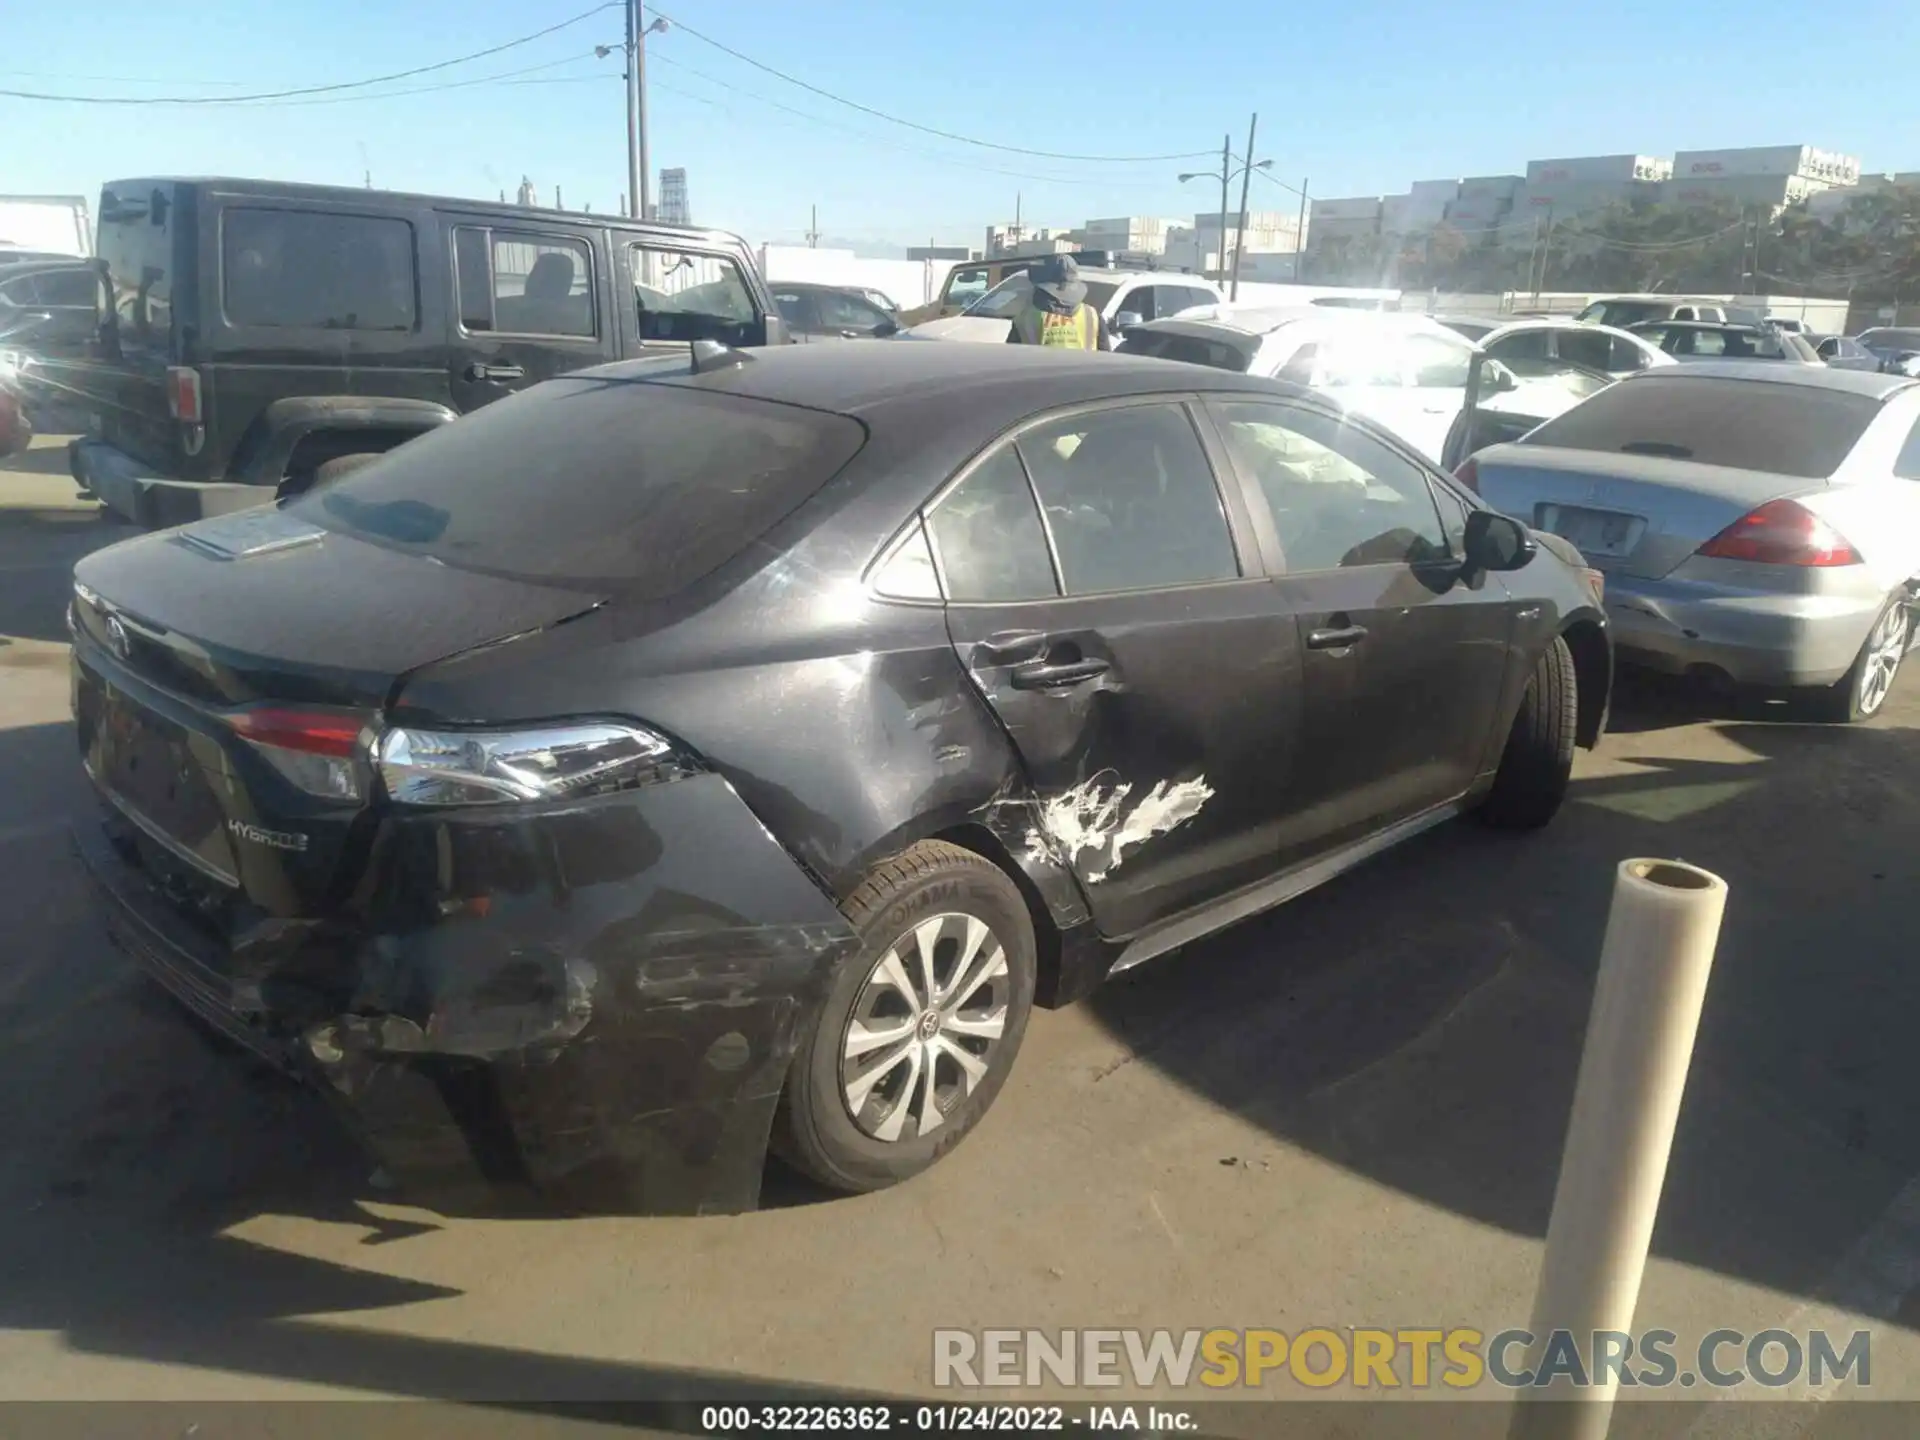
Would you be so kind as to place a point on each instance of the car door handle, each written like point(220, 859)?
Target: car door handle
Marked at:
point(1010, 647)
point(1337, 639)
point(1040, 675)
point(478, 371)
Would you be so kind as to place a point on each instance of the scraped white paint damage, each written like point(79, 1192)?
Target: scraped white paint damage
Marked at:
point(1094, 818)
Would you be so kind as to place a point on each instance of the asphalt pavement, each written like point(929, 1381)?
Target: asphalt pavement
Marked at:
point(1345, 1113)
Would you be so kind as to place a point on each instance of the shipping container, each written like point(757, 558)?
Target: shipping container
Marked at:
point(1828, 165)
point(1594, 169)
point(1428, 190)
point(1490, 187)
point(1359, 207)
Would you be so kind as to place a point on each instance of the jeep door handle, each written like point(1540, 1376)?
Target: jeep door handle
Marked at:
point(478, 371)
point(1339, 639)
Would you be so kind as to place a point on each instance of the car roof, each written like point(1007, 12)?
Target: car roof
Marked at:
point(1544, 322)
point(942, 383)
point(1248, 320)
point(1819, 377)
point(1702, 325)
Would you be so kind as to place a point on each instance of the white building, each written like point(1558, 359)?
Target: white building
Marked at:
point(674, 207)
point(1140, 234)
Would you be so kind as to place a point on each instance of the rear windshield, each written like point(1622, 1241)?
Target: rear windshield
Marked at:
point(611, 485)
point(1190, 348)
point(1796, 430)
point(136, 242)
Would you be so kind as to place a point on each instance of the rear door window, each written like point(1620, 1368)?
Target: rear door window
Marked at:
point(663, 484)
point(307, 270)
point(1130, 500)
point(1741, 424)
point(1907, 465)
point(542, 285)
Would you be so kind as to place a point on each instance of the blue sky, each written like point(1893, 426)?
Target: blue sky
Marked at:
point(1359, 97)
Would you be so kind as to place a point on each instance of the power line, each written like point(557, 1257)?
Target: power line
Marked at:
point(915, 125)
point(307, 89)
point(866, 135)
point(505, 77)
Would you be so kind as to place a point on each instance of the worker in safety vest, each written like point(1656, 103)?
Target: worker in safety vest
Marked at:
point(1056, 314)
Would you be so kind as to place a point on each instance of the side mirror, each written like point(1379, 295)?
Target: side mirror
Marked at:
point(1497, 379)
point(778, 332)
point(886, 328)
point(1908, 365)
point(1497, 542)
point(1128, 320)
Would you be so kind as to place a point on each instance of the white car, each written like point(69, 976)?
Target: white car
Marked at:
point(1405, 372)
point(1125, 299)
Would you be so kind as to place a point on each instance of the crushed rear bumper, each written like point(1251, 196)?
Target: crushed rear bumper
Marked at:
point(597, 1002)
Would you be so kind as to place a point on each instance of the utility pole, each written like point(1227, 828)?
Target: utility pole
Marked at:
point(1240, 233)
point(1300, 236)
point(1226, 169)
point(369, 179)
point(556, 199)
point(636, 158)
point(813, 229)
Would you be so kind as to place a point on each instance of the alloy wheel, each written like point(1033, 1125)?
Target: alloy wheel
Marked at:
point(925, 1027)
point(1886, 647)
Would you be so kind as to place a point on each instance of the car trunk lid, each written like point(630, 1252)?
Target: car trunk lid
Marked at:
point(1639, 515)
point(228, 678)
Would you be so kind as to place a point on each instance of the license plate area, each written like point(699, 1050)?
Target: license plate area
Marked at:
point(1597, 534)
point(146, 769)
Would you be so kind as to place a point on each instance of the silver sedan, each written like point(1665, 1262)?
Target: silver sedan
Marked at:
point(1759, 523)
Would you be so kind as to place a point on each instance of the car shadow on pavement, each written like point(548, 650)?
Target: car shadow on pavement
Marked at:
point(1420, 1020)
point(39, 547)
point(1648, 700)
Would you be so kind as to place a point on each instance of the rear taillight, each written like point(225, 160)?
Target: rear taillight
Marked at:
point(1782, 532)
point(324, 752)
point(1467, 472)
point(559, 762)
point(183, 394)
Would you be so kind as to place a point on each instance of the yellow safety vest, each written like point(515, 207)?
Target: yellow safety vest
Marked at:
point(1078, 331)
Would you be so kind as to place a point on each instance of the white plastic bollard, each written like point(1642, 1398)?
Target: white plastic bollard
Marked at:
point(1654, 964)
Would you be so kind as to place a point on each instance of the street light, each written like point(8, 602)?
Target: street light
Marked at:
point(1225, 174)
point(636, 52)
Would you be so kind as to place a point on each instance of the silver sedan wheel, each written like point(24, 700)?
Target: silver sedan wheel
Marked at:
point(925, 1027)
point(1886, 646)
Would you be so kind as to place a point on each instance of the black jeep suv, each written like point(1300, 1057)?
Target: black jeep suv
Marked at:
point(267, 337)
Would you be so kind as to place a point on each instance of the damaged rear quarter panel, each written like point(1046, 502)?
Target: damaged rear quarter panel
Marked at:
point(598, 998)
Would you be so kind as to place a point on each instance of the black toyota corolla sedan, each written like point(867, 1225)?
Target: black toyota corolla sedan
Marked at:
point(695, 754)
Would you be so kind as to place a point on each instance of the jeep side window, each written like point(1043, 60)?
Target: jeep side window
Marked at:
point(516, 283)
point(542, 285)
point(682, 295)
point(303, 270)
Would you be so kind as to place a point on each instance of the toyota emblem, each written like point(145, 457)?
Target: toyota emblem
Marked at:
point(117, 637)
